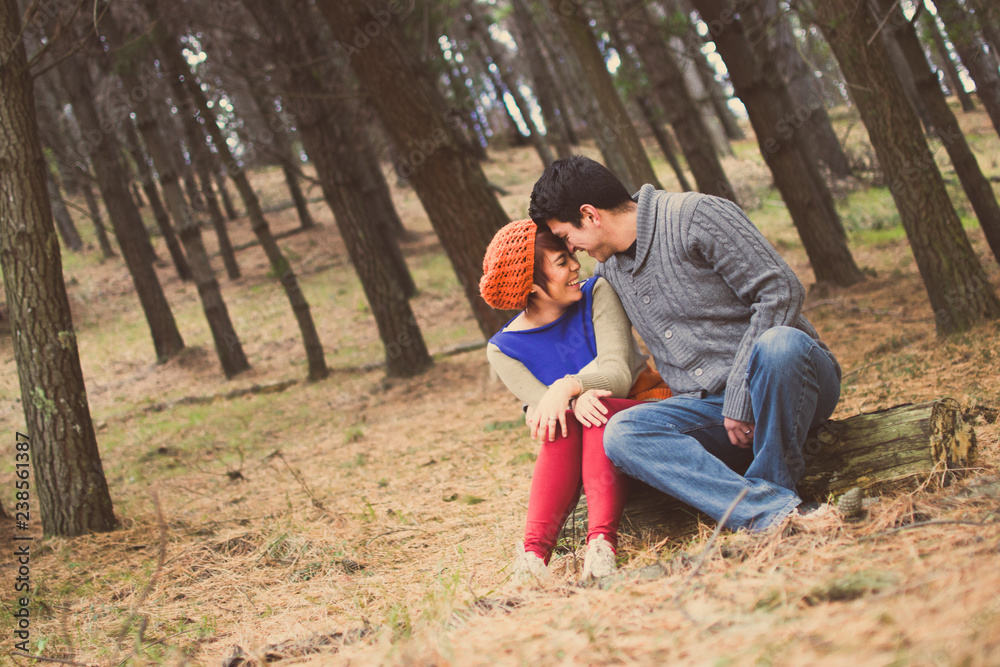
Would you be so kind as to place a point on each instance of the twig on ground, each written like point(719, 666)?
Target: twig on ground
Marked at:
point(708, 548)
point(19, 654)
point(921, 524)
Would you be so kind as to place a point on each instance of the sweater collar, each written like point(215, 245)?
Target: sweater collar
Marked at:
point(645, 222)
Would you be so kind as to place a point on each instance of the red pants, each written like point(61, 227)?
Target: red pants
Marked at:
point(555, 486)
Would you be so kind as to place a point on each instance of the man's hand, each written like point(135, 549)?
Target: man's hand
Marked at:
point(740, 433)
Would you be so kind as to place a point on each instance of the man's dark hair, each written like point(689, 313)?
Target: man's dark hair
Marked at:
point(569, 183)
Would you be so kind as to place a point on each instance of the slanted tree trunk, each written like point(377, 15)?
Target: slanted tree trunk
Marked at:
point(977, 187)
point(667, 82)
point(175, 67)
point(878, 452)
point(69, 481)
point(608, 119)
point(125, 218)
point(282, 150)
point(227, 201)
point(931, 30)
point(795, 172)
point(160, 214)
point(544, 87)
point(779, 43)
point(100, 231)
point(64, 222)
point(333, 143)
point(480, 31)
point(451, 185)
point(963, 33)
point(227, 343)
point(959, 290)
point(203, 162)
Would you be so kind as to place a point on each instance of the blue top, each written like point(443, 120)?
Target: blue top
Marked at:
point(560, 348)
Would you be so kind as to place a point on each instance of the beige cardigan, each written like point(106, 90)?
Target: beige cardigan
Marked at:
point(615, 368)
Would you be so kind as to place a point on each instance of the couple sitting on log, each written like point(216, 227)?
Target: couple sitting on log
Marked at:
point(720, 312)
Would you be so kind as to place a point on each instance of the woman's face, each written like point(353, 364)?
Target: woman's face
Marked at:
point(563, 272)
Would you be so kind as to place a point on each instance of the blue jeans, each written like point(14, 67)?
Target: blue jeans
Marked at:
point(681, 447)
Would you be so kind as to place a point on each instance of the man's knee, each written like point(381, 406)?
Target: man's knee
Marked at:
point(780, 344)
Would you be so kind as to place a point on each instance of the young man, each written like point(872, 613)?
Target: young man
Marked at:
point(720, 311)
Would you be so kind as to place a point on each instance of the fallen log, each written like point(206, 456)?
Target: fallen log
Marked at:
point(879, 452)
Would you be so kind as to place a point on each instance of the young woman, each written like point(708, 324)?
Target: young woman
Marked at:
point(570, 357)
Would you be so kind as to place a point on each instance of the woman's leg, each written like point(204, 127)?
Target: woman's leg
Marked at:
point(555, 488)
point(606, 487)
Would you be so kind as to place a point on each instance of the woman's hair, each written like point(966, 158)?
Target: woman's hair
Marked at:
point(544, 240)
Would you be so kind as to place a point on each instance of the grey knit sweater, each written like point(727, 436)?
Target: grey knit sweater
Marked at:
point(703, 286)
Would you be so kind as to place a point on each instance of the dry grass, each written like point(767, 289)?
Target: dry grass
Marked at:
point(368, 521)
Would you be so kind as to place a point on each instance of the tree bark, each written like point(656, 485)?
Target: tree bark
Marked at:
point(818, 135)
point(544, 85)
point(959, 290)
point(609, 122)
point(879, 452)
point(480, 30)
point(962, 31)
point(204, 162)
point(64, 222)
point(977, 187)
point(125, 218)
point(451, 185)
point(160, 214)
point(772, 114)
point(227, 343)
point(175, 67)
point(337, 151)
point(60, 444)
point(227, 201)
point(667, 82)
point(931, 30)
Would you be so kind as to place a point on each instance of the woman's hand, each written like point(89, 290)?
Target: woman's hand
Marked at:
point(589, 409)
point(549, 415)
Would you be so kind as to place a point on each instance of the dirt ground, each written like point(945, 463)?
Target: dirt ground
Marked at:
point(362, 520)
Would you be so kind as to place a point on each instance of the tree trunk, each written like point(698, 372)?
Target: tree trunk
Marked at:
point(946, 64)
point(175, 67)
point(667, 82)
point(609, 122)
point(125, 218)
point(480, 30)
point(796, 175)
point(160, 214)
point(897, 61)
point(336, 149)
point(64, 222)
point(544, 86)
point(227, 343)
point(227, 201)
point(879, 452)
point(664, 141)
point(204, 162)
point(95, 213)
point(977, 187)
point(451, 185)
point(282, 148)
point(962, 31)
point(988, 16)
point(818, 135)
point(959, 290)
point(60, 444)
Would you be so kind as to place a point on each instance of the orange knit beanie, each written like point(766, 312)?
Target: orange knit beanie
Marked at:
point(508, 265)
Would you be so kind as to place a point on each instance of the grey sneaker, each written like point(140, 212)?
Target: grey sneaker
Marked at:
point(528, 568)
point(823, 517)
point(600, 559)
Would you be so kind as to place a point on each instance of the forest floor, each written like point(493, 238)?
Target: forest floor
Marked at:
point(363, 520)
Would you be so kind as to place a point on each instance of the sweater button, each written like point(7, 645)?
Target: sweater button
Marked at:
point(645, 299)
point(698, 372)
point(668, 334)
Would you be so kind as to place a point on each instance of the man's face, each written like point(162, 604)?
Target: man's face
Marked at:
point(590, 238)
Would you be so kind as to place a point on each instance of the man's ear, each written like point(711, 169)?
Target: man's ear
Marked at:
point(589, 211)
